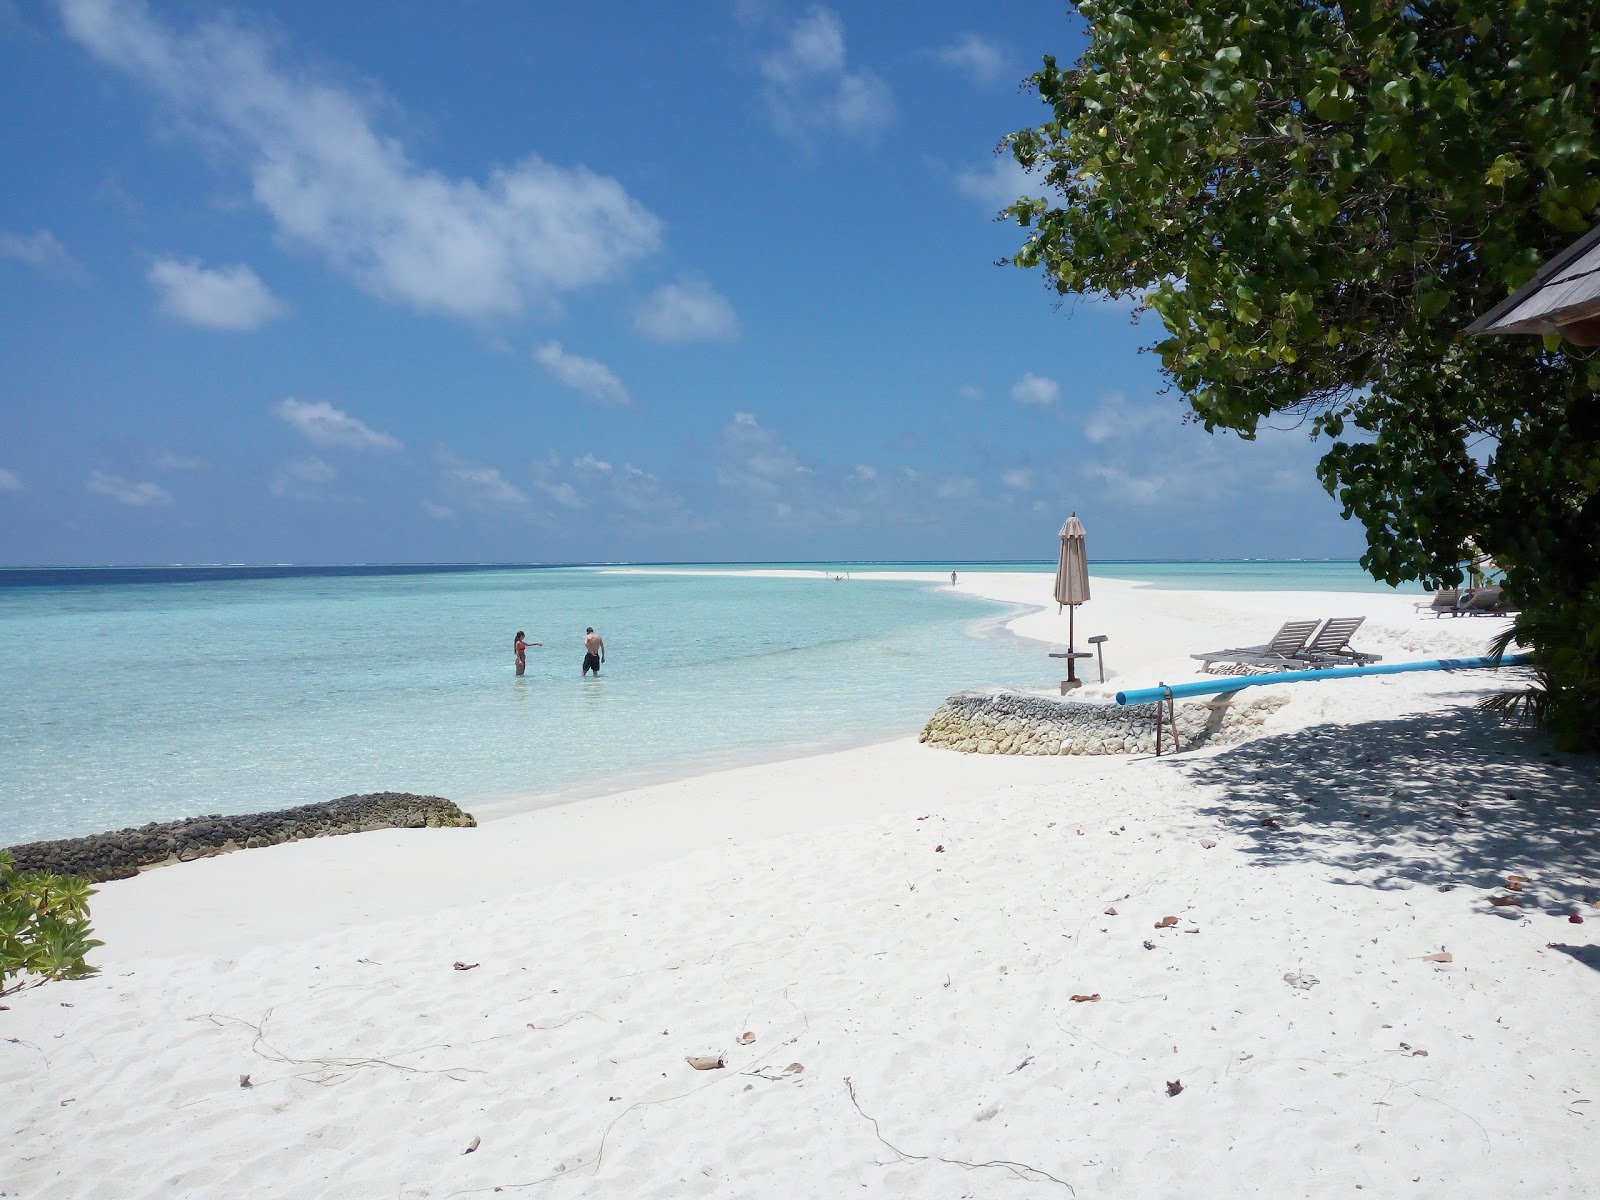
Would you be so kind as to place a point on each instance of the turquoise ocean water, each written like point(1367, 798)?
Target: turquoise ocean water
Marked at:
point(150, 694)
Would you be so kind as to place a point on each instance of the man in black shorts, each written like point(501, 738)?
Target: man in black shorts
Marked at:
point(594, 647)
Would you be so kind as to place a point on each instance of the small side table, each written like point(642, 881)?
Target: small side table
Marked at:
point(1072, 657)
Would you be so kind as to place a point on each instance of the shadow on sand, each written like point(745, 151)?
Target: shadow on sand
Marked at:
point(1447, 799)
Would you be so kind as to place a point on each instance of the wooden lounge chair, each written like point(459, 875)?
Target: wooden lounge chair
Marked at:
point(1281, 651)
point(1447, 602)
point(1331, 646)
point(1488, 602)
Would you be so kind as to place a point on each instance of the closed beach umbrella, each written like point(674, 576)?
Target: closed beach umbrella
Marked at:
point(1072, 572)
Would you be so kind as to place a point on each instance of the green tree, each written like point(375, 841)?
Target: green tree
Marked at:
point(1316, 199)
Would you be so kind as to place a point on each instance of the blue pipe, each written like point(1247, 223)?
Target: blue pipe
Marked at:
point(1233, 683)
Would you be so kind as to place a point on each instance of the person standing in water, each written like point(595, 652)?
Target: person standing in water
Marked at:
point(594, 651)
point(520, 649)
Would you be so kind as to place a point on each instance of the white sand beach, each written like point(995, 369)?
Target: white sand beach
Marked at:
point(927, 974)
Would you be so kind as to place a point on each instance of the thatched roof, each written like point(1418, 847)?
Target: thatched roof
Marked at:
point(1564, 298)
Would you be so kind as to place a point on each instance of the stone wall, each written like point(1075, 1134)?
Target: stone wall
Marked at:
point(1014, 723)
point(102, 856)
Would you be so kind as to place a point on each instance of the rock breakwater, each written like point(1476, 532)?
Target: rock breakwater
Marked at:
point(126, 852)
point(1016, 723)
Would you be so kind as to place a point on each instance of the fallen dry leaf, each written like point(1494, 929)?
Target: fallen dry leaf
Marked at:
point(1149, 945)
point(1111, 912)
point(1513, 884)
point(1270, 823)
point(1166, 922)
point(1174, 1086)
point(1442, 956)
point(705, 1062)
point(1208, 843)
point(1510, 879)
point(938, 849)
point(1086, 999)
point(1503, 901)
point(1419, 1054)
point(1364, 813)
point(464, 966)
point(794, 1069)
point(746, 1038)
point(922, 818)
point(244, 1081)
point(1575, 919)
point(472, 1145)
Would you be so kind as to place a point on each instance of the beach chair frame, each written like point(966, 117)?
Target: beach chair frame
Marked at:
point(1282, 651)
point(1331, 646)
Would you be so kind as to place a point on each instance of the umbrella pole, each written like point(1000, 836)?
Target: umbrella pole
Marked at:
point(1072, 645)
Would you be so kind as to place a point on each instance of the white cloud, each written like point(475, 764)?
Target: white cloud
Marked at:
point(982, 60)
point(302, 479)
point(1115, 417)
point(10, 481)
point(997, 185)
point(1146, 456)
point(439, 512)
point(809, 85)
point(756, 461)
point(586, 376)
point(39, 249)
point(629, 487)
point(213, 298)
point(1143, 489)
point(1018, 479)
point(863, 474)
point(333, 182)
point(962, 487)
point(591, 482)
point(477, 485)
point(168, 461)
point(754, 12)
point(969, 391)
point(687, 311)
point(563, 494)
point(136, 495)
point(321, 424)
point(1036, 391)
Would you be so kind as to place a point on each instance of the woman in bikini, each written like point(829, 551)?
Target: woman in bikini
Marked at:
point(520, 649)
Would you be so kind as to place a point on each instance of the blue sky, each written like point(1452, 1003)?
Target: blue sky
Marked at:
point(401, 281)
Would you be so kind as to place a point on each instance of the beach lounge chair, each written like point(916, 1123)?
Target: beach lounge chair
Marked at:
point(1331, 646)
point(1487, 602)
point(1448, 602)
point(1279, 652)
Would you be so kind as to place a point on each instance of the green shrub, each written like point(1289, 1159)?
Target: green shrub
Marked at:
point(44, 924)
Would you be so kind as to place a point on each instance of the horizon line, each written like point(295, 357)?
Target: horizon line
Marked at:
point(687, 562)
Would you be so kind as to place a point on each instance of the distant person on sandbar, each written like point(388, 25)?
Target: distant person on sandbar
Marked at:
point(520, 649)
point(952, 579)
point(594, 652)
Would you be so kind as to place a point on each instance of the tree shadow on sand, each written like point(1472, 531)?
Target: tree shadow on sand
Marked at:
point(1446, 799)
